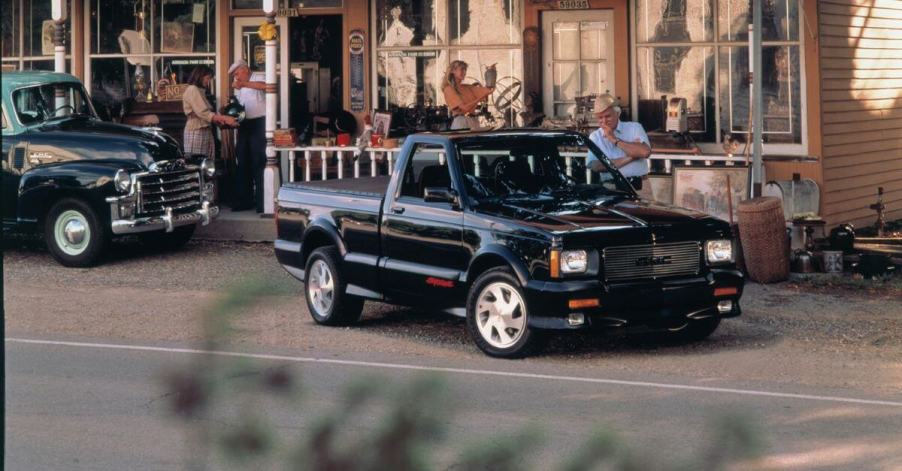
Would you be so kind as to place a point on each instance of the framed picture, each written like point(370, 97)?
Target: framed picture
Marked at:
point(381, 123)
point(661, 188)
point(177, 37)
point(47, 32)
point(711, 190)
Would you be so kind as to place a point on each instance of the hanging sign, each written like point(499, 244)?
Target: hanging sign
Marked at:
point(356, 46)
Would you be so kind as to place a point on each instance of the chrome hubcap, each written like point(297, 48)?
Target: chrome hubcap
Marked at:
point(72, 232)
point(320, 289)
point(500, 315)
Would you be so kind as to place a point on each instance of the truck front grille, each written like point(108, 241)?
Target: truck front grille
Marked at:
point(652, 261)
point(179, 190)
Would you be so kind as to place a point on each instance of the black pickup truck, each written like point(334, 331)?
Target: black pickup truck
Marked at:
point(493, 227)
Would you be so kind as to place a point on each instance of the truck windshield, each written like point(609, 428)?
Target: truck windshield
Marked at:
point(524, 166)
point(37, 104)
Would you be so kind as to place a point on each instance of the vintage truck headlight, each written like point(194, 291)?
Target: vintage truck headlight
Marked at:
point(208, 167)
point(574, 261)
point(719, 251)
point(123, 181)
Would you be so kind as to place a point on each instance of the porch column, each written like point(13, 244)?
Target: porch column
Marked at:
point(757, 100)
point(271, 172)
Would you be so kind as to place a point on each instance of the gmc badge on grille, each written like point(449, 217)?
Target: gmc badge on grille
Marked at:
point(651, 261)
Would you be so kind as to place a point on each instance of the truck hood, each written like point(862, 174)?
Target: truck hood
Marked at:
point(575, 219)
point(87, 138)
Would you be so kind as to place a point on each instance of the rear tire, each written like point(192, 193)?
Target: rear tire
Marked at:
point(167, 240)
point(75, 235)
point(498, 317)
point(324, 290)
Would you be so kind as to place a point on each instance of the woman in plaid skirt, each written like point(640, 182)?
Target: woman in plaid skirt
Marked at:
point(198, 137)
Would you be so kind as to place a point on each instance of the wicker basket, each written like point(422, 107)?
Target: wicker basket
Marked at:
point(762, 232)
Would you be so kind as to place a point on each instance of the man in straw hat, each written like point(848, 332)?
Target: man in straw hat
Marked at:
point(623, 142)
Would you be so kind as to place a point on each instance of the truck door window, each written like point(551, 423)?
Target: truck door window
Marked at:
point(427, 167)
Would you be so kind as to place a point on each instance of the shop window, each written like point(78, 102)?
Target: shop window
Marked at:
point(712, 76)
point(137, 43)
point(247, 4)
point(316, 3)
point(27, 34)
point(416, 40)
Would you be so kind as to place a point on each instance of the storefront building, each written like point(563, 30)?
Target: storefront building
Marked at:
point(832, 73)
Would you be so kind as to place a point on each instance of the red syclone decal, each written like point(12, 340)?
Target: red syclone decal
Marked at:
point(439, 283)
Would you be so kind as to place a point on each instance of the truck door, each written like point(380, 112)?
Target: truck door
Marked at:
point(13, 161)
point(422, 241)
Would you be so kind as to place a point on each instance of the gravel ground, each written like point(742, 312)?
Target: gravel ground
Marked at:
point(789, 332)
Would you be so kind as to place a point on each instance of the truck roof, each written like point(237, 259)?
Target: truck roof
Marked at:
point(35, 77)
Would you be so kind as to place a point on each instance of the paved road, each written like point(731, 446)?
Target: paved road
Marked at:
point(86, 350)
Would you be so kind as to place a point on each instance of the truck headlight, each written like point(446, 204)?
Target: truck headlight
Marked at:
point(123, 181)
point(574, 261)
point(719, 251)
point(208, 167)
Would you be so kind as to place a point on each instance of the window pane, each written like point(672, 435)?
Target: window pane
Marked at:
point(566, 81)
point(677, 72)
point(779, 18)
point(39, 29)
point(781, 93)
point(427, 168)
point(117, 27)
point(41, 65)
point(484, 21)
point(566, 40)
point(674, 20)
point(413, 23)
point(564, 109)
point(9, 27)
point(593, 44)
point(185, 27)
point(180, 66)
point(408, 78)
point(594, 78)
point(110, 85)
point(247, 4)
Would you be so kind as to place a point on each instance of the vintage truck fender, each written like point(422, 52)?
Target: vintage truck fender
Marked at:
point(91, 181)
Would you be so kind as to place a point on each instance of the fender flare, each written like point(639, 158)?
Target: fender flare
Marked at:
point(322, 226)
point(495, 251)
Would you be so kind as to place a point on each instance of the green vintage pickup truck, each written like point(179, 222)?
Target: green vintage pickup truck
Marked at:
point(79, 181)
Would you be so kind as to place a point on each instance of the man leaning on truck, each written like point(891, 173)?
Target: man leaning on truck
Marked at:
point(624, 142)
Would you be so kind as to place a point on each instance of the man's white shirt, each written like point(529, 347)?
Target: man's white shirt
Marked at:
point(627, 131)
point(254, 101)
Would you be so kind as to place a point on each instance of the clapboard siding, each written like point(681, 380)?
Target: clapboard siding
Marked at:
point(860, 57)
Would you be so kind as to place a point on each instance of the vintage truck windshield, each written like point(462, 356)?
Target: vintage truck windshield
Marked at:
point(34, 105)
point(539, 166)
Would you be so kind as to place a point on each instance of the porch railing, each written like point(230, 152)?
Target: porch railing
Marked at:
point(324, 162)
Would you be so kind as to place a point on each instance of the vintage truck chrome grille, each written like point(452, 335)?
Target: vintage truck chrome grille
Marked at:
point(630, 262)
point(179, 190)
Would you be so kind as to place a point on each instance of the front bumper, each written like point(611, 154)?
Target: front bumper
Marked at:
point(640, 305)
point(167, 221)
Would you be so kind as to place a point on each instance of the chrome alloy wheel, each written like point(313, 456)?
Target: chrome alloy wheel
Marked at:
point(320, 288)
point(71, 232)
point(500, 315)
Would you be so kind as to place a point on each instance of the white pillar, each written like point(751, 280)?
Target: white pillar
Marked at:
point(271, 171)
point(58, 13)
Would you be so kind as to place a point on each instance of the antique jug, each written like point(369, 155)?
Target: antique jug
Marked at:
point(491, 75)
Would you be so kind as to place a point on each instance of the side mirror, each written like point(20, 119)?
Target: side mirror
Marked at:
point(437, 194)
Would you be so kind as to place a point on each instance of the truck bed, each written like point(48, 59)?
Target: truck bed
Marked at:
point(364, 186)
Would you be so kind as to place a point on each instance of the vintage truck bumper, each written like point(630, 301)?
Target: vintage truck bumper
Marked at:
point(647, 304)
point(167, 221)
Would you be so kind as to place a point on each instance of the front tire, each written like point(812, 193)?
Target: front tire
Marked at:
point(498, 317)
point(75, 235)
point(324, 290)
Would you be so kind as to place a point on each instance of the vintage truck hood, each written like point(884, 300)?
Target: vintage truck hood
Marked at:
point(83, 138)
point(578, 220)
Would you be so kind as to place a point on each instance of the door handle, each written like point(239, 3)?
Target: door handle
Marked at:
point(397, 210)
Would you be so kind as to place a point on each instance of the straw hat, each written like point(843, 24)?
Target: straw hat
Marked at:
point(603, 102)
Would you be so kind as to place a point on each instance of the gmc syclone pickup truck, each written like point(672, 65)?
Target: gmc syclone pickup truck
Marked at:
point(492, 227)
point(80, 181)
